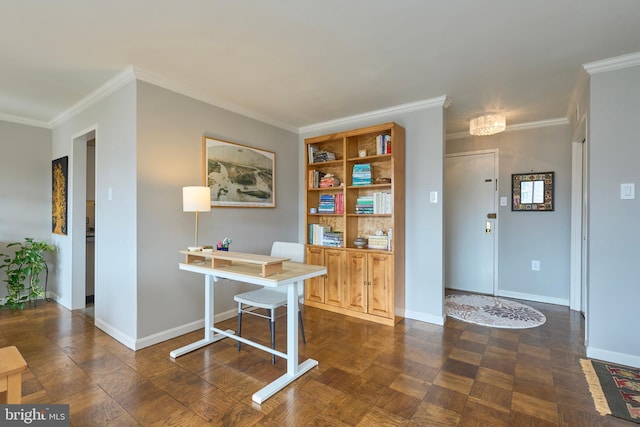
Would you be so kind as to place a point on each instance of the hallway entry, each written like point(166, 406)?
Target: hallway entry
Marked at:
point(470, 209)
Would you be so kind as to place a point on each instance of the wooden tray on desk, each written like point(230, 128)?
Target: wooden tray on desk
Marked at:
point(269, 264)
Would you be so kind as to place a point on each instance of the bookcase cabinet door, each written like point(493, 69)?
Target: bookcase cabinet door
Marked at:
point(314, 288)
point(356, 289)
point(380, 276)
point(336, 277)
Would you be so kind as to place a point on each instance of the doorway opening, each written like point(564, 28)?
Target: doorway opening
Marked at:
point(84, 221)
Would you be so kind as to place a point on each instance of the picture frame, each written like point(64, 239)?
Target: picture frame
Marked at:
point(238, 175)
point(59, 186)
point(533, 191)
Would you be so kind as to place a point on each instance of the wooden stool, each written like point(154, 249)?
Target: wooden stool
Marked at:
point(11, 366)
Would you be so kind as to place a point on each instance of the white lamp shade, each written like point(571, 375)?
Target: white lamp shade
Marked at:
point(196, 199)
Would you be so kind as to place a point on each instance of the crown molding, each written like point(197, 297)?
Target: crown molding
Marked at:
point(190, 92)
point(612, 64)
point(439, 102)
point(121, 79)
point(24, 121)
point(562, 121)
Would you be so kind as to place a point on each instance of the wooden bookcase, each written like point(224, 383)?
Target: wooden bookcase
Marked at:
point(360, 282)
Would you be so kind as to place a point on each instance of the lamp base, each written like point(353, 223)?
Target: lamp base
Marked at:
point(194, 248)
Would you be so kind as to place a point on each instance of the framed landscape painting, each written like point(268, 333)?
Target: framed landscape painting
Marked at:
point(59, 173)
point(238, 175)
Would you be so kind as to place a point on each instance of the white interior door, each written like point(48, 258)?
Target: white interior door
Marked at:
point(470, 221)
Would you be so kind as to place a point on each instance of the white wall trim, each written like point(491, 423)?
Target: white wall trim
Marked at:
point(576, 226)
point(24, 121)
point(439, 102)
point(422, 317)
point(116, 334)
point(535, 298)
point(614, 357)
point(561, 121)
point(123, 78)
point(181, 330)
point(612, 64)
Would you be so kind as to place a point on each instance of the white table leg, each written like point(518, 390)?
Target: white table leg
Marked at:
point(209, 336)
point(294, 370)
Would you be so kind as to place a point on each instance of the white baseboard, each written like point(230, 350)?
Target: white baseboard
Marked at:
point(422, 317)
point(536, 298)
point(115, 334)
point(180, 330)
point(614, 357)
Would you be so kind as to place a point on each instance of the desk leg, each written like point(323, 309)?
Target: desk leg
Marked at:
point(209, 336)
point(294, 370)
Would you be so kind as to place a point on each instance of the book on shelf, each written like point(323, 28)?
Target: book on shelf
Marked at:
point(333, 238)
point(316, 233)
point(339, 203)
point(377, 203)
point(327, 204)
point(361, 174)
point(323, 156)
point(318, 156)
point(383, 144)
point(312, 150)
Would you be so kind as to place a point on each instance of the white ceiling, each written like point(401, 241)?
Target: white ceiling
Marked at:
point(296, 63)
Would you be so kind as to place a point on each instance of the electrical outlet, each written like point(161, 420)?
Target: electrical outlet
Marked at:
point(535, 265)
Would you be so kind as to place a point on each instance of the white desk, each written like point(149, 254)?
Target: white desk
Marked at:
point(250, 268)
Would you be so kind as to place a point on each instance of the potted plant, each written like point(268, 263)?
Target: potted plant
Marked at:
point(23, 270)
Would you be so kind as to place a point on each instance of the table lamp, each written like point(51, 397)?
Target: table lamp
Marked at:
point(196, 199)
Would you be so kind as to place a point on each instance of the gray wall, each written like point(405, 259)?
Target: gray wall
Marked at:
point(114, 121)
point(25, 186)
point(614, 224)
point(424, 269)
point(525, 236)
point(169, 156)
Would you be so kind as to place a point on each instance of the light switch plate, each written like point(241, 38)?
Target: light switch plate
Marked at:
point(503, 201)
point(433, 197)
point(628, 191)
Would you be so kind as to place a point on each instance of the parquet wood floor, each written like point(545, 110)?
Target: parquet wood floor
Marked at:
point(413, 374)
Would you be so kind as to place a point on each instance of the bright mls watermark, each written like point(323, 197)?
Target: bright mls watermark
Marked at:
point(34, 415)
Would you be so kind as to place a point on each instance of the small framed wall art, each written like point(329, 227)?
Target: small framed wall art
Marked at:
point(532, 191)
point(238, 175)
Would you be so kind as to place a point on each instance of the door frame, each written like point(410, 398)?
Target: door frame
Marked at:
point(578, 299)
point(496, 228)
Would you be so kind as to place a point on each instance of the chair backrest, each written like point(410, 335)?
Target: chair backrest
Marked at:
point(293, 251)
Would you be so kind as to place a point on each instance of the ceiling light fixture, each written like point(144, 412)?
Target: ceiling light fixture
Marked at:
point(487, 124)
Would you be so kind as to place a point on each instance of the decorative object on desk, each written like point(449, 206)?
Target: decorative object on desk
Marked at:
point(224, 244)
point(360, 242)
point(195, 199)
point(492, 311)
point(59, 171)
point(238, 175)
point(615, 389)
point(23, 269)
point(532, 191)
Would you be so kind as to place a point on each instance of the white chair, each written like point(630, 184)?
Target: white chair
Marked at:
point(272, 298)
